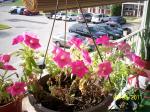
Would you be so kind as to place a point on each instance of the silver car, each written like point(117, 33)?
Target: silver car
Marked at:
point(70, 17)
point(59, 15)
point(100, 18)
point(59, 39)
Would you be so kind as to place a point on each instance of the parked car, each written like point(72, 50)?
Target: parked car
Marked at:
point(29, 13)
point(59, 15)
point(112, 33)
point(88, 17)
point(117, 26)
point(60, 41)
point(7, 0)
point(70, 17)
point(49, 15)
point(20, 11)
point(81, 29)
point(16, 10)
point(100, 18)
point(13, 10)
point(118, 19)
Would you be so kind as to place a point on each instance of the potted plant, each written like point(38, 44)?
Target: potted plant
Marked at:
point(145, 45)
point(77, 80)
point(11, 93)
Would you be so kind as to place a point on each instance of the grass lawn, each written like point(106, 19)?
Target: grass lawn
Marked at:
point(16, 3)
point(3, 27)
point(133, 19)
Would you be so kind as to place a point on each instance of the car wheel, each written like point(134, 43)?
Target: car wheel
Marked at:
point(70, 19)
point(70, 31)
point(102, 21)
point(57, 44)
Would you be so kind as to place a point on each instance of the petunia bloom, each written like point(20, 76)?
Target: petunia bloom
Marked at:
point(7, 67)
point(103, 40)
point(130, 55)
point(138, 61)
point(62, 58)
point(18, 39)
point(75, 41)
point(86, 57)
point(17, 88)
point(124, 47)
point(31, 41)
point(55, 49)
point(105, 69)
point(5, 58)
point(79, 68)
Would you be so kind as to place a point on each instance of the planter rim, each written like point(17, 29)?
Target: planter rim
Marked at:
point(40, 108)
point(8, 103)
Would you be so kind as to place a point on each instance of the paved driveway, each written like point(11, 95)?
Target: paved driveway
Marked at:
point(39, 25)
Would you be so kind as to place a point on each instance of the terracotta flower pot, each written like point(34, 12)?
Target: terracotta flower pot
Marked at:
point(15, 106)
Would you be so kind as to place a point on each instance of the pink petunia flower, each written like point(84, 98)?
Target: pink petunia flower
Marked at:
point(79, 68)
point(138, 61)
point(32, 41)
point(75, 41)
point(86, 57)
point(18, 88)
point(103, 40)
point(105, 69)
point(5, 58)
point(7, 67)
point(62, 58)
point(111, 44)
point(129, 55)
point(124, 47)
point(18, 39)
point(55, 49)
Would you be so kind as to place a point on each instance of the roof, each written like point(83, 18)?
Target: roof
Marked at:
point(50, 5)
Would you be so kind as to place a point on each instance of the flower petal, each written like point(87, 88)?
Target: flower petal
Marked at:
point(102, 40)
point(8, 67)
point(79, 68)
point(32, 41)
point(18, 39)
point(5, 58)
point(105, 69)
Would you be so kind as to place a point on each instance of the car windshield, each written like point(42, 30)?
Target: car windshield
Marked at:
point(99, 27)
point(115, 25)
point(92, 29)
point(96, 16)
point(108, 28)
point(71, 15)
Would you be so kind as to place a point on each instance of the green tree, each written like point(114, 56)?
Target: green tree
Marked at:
point(116, 10)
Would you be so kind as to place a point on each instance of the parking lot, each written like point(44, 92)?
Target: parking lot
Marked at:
point(40, 25)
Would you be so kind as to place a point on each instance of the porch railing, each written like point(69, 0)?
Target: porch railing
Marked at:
point(133, 40)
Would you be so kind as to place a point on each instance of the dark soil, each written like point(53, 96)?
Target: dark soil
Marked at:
point(68, 97)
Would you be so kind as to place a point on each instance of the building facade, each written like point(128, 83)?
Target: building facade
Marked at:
point(128, 9)
point(132, 9)
point(101, 9)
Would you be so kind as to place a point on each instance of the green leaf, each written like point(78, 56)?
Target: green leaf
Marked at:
point(33, 62)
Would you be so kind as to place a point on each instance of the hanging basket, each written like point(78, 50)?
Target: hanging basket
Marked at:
point(40, 108)
point(50, 5)
point(15, 106)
